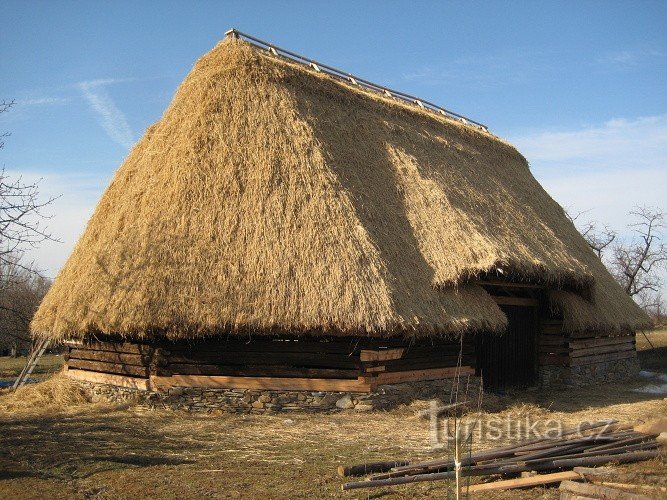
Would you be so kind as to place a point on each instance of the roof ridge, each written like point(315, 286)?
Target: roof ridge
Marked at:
point(353, 79)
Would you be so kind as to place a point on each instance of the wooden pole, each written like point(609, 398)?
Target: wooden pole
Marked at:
point(369, 468)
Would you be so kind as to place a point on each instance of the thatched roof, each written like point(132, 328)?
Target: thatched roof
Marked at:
point(271, 197)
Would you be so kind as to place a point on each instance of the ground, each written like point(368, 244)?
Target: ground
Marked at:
point(55, 444)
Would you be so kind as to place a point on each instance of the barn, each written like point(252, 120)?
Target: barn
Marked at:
point(287, 228)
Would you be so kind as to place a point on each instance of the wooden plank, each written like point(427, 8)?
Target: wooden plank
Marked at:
point(305, 359)
point(100, 366)
point(422, 364)
point(110, 357)
point(374, 369)
point(269, 383)
point(509, 284)
point(524, 482)
point(260, 371)
point(106, 378)
point(419, 375)
point(585, 490)
point(603, 349)
point(544, 340)
point(553, 349)
point(603, 341)
point(588, 360)
point(266, 346)
point(125, 347)
point(381, 355)
point(515, 301)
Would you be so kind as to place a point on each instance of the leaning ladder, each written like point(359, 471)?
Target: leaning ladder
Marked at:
point(33, 359)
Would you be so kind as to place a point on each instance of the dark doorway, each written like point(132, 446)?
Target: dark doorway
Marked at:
point(510, 360)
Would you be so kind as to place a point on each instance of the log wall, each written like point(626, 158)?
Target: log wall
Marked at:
point(558, 348)
point(352, 365)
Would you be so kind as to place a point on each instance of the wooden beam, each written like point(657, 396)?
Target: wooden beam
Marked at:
point(258, 371)
point(524, 482)
point(107, 378)
point(381, 354)
point(584, 343)
point(110, 357)
point(515, 301)
point(419, 375)
point(508, 284)
point(571, 489)
point(614, 356)
point(602, 349)
point(115, 368)
point(126, 347)
point(268, 383)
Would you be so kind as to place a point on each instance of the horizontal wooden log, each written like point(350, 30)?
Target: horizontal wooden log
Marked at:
point(419, 375)
point(553, 341)
point(121, 347)
point(263, 346)
point(268, 383)
point(381, 355)
point(110, 357)
point(509, 285)
point(614, 356)
point(572, 489)
point(106, 378)
point(603, 341)
point(369, 468)
point(523, 482)
point(603, 349)
point(261, 371)
point(115, 368)
point(304, 359)
point(423, 364)
point(515, 301)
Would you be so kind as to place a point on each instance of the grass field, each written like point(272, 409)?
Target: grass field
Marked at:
point(47, 366)
point(64, 447)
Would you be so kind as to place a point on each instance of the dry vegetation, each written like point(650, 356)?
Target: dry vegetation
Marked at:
point(57, 445)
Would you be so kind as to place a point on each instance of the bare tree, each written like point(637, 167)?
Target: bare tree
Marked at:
point(597, 238)
point(635, 265)
point(4, 107)
point(21, 228)
point(21, 218)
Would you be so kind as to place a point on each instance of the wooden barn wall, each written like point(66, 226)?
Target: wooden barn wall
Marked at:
point(558, 348)
point(376, 362)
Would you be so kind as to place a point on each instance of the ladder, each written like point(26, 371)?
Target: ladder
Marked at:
point(33, 359)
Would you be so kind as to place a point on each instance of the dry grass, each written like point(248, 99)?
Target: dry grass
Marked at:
point(47, 366)
point(57, 393)
point(272, 197)
point(109, 452)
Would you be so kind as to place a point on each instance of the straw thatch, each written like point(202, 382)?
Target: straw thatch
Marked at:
point(270, 197)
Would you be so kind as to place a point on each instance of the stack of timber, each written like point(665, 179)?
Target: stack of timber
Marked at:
point(557, 348)
point(591, 445)
point(289, 364)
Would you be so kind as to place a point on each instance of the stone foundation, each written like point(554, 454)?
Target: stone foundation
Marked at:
point(267, 401)
point(578, 376)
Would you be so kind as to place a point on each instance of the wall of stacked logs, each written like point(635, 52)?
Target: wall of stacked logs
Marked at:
point(352, 365)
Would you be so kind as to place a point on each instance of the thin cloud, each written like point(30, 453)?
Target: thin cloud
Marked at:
point(511, 67)
point(629, 57)
point(43, 101)
point(111, 118)
point(604, 170)
point(620, 144)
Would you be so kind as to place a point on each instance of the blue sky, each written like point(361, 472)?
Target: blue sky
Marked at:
point(579, 87)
